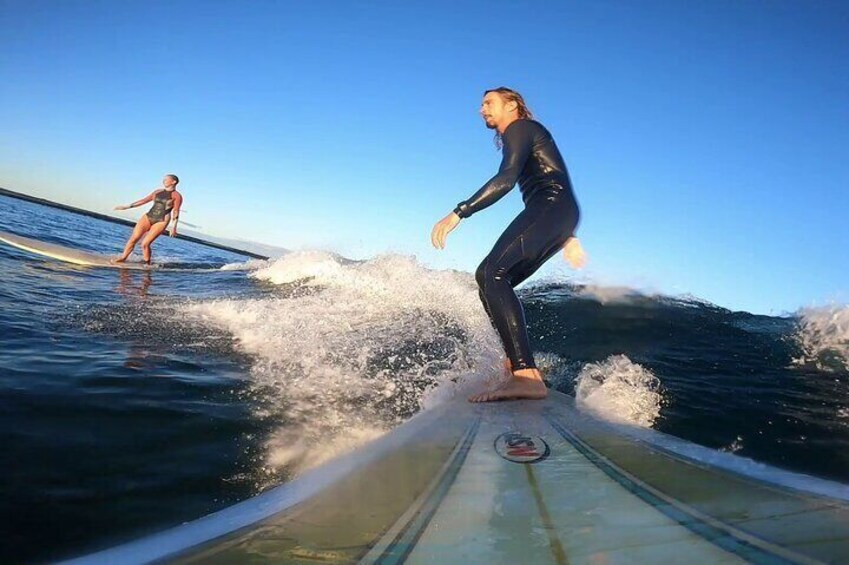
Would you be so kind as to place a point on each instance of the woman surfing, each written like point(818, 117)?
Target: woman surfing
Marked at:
point(166, 206)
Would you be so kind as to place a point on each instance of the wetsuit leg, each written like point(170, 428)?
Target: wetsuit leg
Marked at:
point(537, 233)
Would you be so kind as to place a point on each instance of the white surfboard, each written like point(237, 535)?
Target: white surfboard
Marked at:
point(520, 482)
point(67, 254)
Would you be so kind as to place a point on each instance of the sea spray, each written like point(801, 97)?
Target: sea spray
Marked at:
point(347, 349)
point(823, 336)
point(619, 390)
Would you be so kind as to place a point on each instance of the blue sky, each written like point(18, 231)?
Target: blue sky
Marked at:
point(708, 141)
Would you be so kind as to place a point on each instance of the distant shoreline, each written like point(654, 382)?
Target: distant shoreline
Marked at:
point(114, 220)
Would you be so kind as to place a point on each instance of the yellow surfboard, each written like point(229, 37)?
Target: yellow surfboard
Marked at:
point(67, 254)
point(514, 483)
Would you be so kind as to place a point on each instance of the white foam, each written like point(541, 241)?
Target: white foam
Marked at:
point(349, 349)
point(823, 336)
point(302, 265)
point(619, 390)
point(608, 294)
point(249, 265)
point(293, 448)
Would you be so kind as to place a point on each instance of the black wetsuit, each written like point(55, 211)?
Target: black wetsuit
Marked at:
point(163, 203)
point(538, 232)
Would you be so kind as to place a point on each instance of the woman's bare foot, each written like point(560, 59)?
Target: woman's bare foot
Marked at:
point(117, 260)
point(525, 383)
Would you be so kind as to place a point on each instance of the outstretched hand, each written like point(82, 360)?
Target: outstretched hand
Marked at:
point(442, 228)
point(120, 207)
point(574, 254)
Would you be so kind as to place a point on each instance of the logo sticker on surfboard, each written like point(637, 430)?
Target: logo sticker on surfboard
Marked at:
point(521, 448)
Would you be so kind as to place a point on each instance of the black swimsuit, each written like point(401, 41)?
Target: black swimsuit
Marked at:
point(163, 203)
point(538, 232)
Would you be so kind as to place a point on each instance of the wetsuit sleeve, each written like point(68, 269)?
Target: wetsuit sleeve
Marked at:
point(518, 143)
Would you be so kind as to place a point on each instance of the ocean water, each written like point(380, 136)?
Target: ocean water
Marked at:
point(134, 401)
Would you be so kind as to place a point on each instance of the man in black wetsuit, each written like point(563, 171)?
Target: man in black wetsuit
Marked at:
point(544, 227)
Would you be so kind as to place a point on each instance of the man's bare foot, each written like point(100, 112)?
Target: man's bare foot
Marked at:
point(525, 383)
point(117, 260)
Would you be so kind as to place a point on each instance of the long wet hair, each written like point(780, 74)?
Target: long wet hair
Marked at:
point(510, 95)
